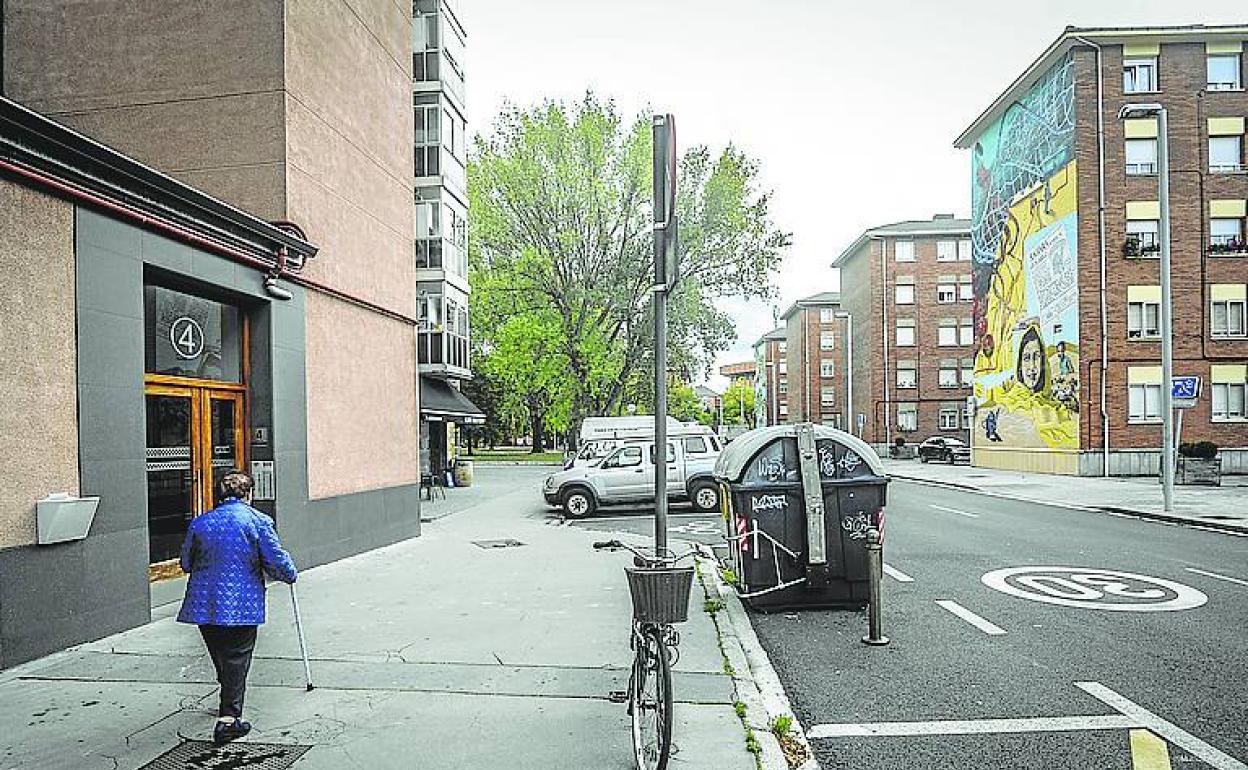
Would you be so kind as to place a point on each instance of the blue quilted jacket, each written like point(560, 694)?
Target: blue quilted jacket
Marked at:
point(227, 552)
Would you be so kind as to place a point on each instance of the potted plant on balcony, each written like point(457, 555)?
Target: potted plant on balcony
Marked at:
point(1131, 247)
point(1199, 463)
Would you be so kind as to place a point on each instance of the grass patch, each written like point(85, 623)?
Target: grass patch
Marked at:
point(515, 456)
point(728, 576)
point(751, 742)
point(712, 606)
point(739, 707)
point(781, 725)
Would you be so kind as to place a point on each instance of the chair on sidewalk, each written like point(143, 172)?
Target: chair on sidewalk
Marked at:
point(431, 483)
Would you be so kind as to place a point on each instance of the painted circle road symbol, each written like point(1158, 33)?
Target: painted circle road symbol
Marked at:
point(187, 337)
point(1094, 589)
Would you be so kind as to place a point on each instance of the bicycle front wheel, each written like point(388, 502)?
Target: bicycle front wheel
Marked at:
point(650, 701)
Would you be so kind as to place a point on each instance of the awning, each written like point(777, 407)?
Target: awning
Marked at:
point(439, 401)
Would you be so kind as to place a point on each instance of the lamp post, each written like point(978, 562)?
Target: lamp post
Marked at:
point(1153, 109)
point(849, 369)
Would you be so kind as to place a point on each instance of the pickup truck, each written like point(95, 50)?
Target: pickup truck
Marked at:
point(626, 475)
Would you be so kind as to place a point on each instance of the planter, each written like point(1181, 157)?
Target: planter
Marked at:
point(61, 517)
point(1197, 470)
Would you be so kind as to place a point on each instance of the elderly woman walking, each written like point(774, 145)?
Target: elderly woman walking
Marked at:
point(227, 552)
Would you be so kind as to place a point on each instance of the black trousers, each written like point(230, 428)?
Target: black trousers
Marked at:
point(230, 648)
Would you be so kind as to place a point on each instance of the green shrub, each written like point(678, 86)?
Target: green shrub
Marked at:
point(1204, 450)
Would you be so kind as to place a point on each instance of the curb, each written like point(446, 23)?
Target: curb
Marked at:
point(1233, 529)
point(754, 679)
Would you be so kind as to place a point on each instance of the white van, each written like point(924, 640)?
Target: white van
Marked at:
point(601, 435)
point(626, 475)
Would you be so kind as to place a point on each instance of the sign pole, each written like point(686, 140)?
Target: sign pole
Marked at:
point(1167, 342)
point(664, 134)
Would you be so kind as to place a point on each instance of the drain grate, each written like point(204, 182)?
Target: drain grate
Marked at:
point(202, 755)
point(506, 542)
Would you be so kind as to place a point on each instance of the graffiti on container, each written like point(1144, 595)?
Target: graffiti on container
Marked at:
point(827, 460)
point(767, 503)
point(771, 468)
point(850, 461)
point(856, 526)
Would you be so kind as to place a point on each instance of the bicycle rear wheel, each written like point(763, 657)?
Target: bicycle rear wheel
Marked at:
point(650, 701)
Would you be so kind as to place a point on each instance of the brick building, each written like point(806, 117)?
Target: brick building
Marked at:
point(813, 336)
point(1065, 230)
point(907, 287)
point(744, 370)
point(770, 386)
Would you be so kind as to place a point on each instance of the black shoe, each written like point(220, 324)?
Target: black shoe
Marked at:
point(225, 732)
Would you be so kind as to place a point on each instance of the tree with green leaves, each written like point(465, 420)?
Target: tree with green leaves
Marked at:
point(739, 398)
point(560, 234)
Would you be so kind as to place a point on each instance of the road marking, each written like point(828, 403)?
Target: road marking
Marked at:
point(1148, 752)
point(897, 574)
point(954, 510)
point(971, 727)
point(970, 617)
point(1215, 575)
point(1171, 732)
point(1094, 589)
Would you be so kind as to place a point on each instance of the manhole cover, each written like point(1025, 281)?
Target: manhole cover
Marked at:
point(506, 542)
point(202, 755)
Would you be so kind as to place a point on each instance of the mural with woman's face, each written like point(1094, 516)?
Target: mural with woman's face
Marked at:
point(1032, 369)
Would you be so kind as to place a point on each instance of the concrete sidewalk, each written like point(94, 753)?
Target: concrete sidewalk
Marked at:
point(1224, 507)
point(432, 653)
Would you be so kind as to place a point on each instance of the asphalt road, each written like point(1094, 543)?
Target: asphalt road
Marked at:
point(1172, 662)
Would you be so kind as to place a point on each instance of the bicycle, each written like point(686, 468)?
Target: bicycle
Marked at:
point(660, 591)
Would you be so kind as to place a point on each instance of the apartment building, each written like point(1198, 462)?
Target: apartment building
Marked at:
point(813, 336)
point(441, 219)
point(1065, 231)
point(207, 246)
point(907, 288)
point(771, 385)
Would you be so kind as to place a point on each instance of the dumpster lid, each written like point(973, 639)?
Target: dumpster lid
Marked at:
point(737, 455)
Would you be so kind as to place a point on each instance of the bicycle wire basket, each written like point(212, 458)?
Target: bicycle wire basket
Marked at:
point(660, 594)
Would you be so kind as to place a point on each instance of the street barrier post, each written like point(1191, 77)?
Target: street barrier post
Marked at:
point(875, 566)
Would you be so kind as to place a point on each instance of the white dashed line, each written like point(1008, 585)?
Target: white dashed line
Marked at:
point(970, 617)
point(972, 727)
point(1171, 732)
point(1214, 575)
point(897, 574)
point(954, 510)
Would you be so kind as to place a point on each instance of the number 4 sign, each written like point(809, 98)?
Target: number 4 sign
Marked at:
point(187, 337)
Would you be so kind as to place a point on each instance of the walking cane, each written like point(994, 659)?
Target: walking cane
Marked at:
point(303, 646)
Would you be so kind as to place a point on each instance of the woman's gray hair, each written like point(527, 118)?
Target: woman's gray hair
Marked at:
point(234, 484)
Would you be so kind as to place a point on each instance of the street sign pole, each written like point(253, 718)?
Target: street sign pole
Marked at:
point(1167, 331)
point(664, 134)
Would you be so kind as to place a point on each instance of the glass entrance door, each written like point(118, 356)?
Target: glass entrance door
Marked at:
point(194, 436)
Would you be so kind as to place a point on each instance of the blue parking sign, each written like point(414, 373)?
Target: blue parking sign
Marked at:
point(1187, 386)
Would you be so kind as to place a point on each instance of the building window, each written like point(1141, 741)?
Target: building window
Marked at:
point(947, 334)
point(1144, 399)
point(784, 411)
point(1228, 318)
point(946, 251)
point(784, 386)
point(966, 291)
point(948, 377)
point(827, 341)
point(966, 418)
point(907, 376)
point(1139, 75)
point(964, 250)
point(966, 332)
point(1226, 236)
point(946, 293)
point(1143, 320)
point(1142, 238)
point(1141, 156)
point(903, 251)
point(1228, 402)
point(1224, 72)
point(968, 372)
point(905, 333)
point(827, 397)
point(907, 417)
point(949, 418)
point(1226, 154)
point(782, 346)
point(905, 294)
point(827, 315)
point(827, 368)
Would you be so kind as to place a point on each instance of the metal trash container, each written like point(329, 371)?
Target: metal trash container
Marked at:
point(798, 501)
point(463, 472)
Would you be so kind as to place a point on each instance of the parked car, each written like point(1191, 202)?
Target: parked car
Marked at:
point(626, 475)
point(592, 450)
point(944, 449)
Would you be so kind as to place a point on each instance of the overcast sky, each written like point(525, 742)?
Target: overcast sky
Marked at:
point(851, 108)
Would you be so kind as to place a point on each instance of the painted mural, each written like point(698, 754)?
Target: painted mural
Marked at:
point(1025, 241)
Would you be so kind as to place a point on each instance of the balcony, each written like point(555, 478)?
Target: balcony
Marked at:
point(1228, 246)
point(1135, 247)
point(442, 353)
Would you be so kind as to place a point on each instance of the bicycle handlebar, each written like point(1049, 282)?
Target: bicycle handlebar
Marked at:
point(614, 545)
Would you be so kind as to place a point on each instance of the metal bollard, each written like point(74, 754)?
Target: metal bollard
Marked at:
point(875, 566)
